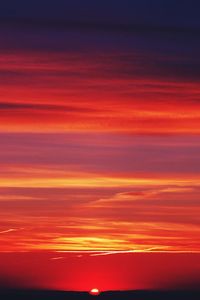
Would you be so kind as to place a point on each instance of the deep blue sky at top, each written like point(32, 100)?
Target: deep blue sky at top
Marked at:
point(177, 13)
point(153, 29)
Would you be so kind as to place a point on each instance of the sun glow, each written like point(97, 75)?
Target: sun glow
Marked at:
point(94, 292)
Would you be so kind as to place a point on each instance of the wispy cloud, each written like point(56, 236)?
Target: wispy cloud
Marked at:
point(99, 133)
point(144, 93)
point(8, 230)
point(147, 194)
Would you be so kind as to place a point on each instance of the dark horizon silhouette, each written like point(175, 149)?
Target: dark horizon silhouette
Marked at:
point(16, 294)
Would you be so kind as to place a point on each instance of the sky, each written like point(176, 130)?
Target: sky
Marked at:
point(99, 143)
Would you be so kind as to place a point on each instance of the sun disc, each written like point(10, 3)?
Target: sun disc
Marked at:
point(94, 292)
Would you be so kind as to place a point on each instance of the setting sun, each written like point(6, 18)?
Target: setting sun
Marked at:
point(94, 292)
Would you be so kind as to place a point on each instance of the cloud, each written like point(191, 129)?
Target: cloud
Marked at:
point(111, 132)
point(138, 93)
point(153, 196)
point(8, 230)
point(31, 107)
point(100, 153)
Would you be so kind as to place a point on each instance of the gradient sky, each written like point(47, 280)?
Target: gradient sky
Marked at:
point(99, 140)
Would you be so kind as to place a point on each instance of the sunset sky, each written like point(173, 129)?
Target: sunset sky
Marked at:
point(99, 143)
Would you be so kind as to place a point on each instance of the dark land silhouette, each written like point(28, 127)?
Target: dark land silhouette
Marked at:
point(12, 294)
